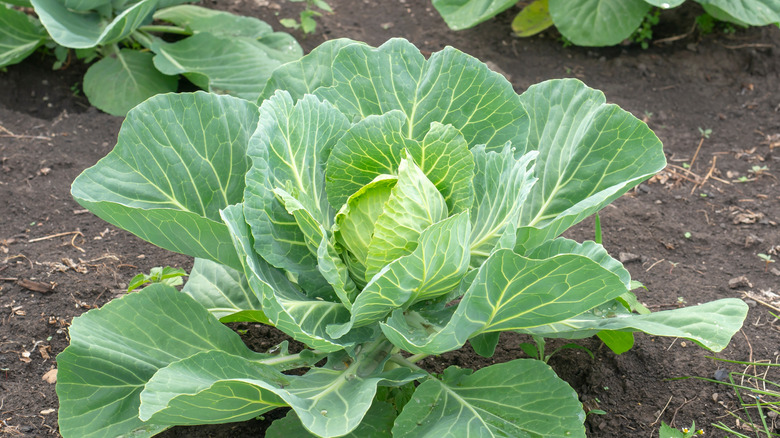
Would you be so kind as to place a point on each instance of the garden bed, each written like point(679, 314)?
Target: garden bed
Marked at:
point(686, 242)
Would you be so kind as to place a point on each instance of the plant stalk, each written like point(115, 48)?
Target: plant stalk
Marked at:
point(165, 29)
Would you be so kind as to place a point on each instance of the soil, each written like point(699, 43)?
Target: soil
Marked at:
point(685, 241)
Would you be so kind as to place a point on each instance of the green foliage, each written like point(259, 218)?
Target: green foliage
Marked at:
point(644, 33)
point(219, 52)
point(167, 275)
point(667, 431)
point(307, 23)
point(603, 22)
point(378, 215)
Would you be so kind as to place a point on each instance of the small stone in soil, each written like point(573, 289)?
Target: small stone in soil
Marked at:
point(627, 257)
point(722, 375)
point(740, 281)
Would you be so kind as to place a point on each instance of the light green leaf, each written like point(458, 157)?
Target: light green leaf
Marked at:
point(597, 22)
point(534, 18)
point(119, 82)
point(578, 135)
point(463, 14)
point(291, 145)
point(220, 64)
point(450, 88)
point(710, 325)
point(224, 292)
point(200, 19)
point(752, 12)
point(434, 268)
point(82, 30)
point(511, 292)
point(215, 387)
point(413, 206)
point(307, 74)
point(501, 185)
point(521, 398)
point(179, 159)
point(115, 350)
point(87, 5)
point(355, 223)
point(20, 35)
point(291, 311)
point(376, 424)
point(372, 147)
point(485, 344)
point(618, 342)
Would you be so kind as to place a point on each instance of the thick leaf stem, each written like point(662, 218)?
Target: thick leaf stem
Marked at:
point(298, 360)
point(417, 357)
point(400, 360)
point(165, 29)
point(142, 38)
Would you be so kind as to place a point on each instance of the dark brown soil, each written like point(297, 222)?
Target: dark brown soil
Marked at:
point(729, 83)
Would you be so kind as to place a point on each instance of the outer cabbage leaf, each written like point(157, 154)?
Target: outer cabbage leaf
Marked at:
point(115, 350)
point(83, 30)
point(463, 14)
point(711, 325)
point(215, 387)
point(579, 136)
point(376, 424)
point(597, 22)
point(534, 18)
point(221, 64)
point(521, 398)
point(501, 186)
point(510, 292)
point(752, 12)
point(20, 35)
point(179, 159)
point(224, 292)
point(200, 19)
point(450, 88)
point(119, 82)
point(308, 73)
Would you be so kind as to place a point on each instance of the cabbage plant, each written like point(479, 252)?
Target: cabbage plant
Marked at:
point(378, 207)
point(215, 50)
point(597, 22)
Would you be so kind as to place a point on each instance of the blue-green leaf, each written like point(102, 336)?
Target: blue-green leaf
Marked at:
point(290, 147)
point(710, 325)
point(20, 35)
point(377, 423)
point(119, 82)
point(83, 30)
point(216, 387)
point(463, 14)
point(449, 88)
point(521, 398)
point(510, 292)
point(501, 185)
point(224, 292)
point(751, 12)
point(179, 159)
point(115, 350)
point(578, 136)
point(597, 22)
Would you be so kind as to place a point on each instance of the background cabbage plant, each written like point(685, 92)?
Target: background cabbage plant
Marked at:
point(217, 51)
point(597, 22)
point(379, 207)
